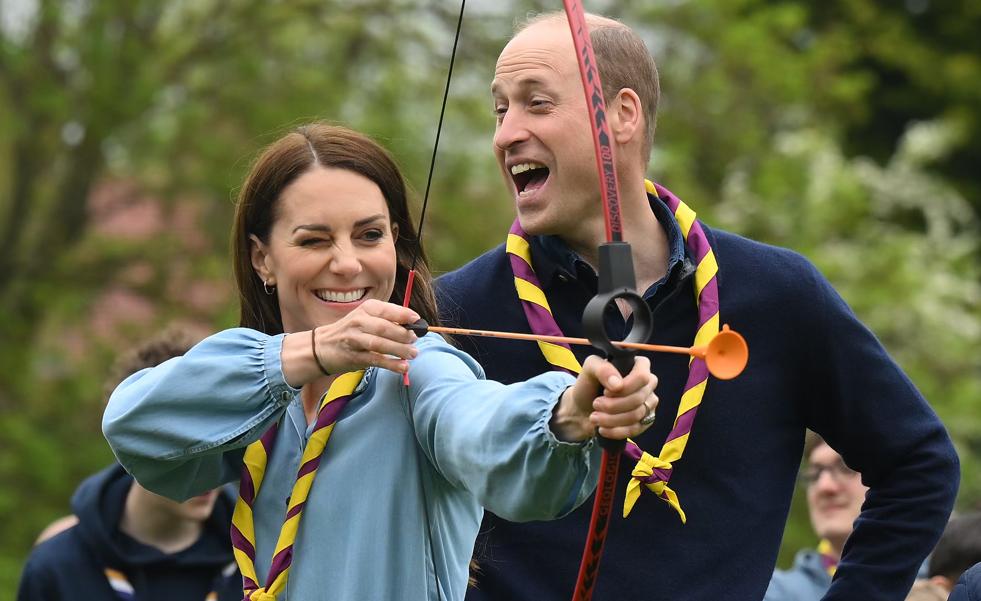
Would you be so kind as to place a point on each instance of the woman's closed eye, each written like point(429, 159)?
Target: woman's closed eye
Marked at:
point(313, 241)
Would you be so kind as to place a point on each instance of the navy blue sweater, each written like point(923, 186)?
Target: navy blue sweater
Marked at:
point(70, 565)
point(811, 364)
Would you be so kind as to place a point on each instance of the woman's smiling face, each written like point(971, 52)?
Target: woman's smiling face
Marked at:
point(330, 248)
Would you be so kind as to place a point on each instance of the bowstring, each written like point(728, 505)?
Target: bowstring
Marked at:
point(408, 296)
point(439, 129)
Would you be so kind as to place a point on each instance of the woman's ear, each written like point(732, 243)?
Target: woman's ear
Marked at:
point(261, 261)
point(395, 232)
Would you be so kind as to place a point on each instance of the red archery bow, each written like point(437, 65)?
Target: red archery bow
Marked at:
point(616, 282)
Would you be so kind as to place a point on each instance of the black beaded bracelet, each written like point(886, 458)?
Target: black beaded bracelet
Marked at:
point(313, 347)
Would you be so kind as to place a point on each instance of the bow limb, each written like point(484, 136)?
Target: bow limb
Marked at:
point(616, 282)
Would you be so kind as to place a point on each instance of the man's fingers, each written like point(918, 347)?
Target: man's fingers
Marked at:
point(633, 384)
point(620, 413)
point(622, 432)
point(625, 401)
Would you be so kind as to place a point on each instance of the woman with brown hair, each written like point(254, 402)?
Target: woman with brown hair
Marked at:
point(389, 507)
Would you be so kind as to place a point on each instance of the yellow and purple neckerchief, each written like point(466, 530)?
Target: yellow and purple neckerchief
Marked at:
point(829, 561)
point(124, 590)
point(649, 471)
point(256, 458)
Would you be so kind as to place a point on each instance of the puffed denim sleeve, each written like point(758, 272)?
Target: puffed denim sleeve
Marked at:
point(181, 428)
point(494, 439)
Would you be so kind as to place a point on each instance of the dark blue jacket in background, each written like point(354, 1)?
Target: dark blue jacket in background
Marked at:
point(811, 365)
point(70, 565)
point(968, 587)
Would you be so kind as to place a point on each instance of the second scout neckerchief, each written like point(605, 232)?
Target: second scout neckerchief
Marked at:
point(653, 472)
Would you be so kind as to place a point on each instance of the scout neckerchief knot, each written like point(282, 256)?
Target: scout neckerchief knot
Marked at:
point(256, 457)
point(652, 472)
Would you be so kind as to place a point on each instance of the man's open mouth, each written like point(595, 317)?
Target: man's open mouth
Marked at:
point(528, 177)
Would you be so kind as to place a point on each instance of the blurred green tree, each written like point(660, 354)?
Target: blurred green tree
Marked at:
point(918, 288)
point(124, 125)
point(918, 60)
point(770, 106)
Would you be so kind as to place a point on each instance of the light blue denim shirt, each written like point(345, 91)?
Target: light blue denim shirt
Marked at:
point(181, 428)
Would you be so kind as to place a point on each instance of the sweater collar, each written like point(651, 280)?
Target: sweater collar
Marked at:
point(555, 260)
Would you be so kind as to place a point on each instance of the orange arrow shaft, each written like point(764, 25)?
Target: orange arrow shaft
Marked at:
point(696, 351)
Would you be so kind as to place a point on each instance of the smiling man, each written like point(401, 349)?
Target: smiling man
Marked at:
point(545, 150)
point(835, 494)
point(723, 456)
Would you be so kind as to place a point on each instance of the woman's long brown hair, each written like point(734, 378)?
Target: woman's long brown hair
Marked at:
point(280, 164)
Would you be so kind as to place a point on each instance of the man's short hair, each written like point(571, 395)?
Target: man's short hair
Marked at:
point(959, 547)
point(174, 341)
point(623, 61)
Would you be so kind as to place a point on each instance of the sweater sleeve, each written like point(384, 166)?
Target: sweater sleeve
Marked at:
point(494, 440)
point(868, 410)
point(181, 428)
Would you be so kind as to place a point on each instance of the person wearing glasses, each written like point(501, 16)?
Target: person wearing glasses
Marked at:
point(835, 494)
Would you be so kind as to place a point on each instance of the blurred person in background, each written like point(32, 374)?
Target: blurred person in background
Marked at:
point(959, 549)
point(835, 494)
point(124, 542)
point(722, 466)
